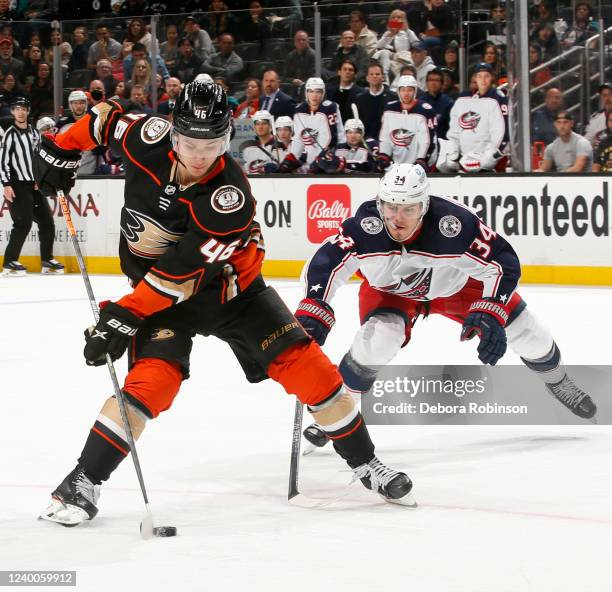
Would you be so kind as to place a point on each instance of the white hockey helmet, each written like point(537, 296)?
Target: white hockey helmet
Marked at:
point(404, 184)
point(354, 125)
point(315, 84)
point(283, 121)
point(206, 78)
point(77, 95)
point(407, 80)
point(45, 124)
point(263, 116)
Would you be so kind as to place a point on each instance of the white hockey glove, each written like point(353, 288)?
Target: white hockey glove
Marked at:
point(448, 158)
point(471, 162)
point(489, 159)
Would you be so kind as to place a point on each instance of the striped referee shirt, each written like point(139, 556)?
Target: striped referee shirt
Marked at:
point(16, 154)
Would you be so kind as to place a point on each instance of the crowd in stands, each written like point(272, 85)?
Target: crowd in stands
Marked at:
point(261, 52)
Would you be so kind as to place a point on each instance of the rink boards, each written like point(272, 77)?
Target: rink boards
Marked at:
point(559, 225)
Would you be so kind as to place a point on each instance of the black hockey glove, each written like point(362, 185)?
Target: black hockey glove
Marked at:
point(289, 164)
point(329, 163)
point(384, 162)
point(317, 318)
point(54, 167)
point(271, 167)
point(487, 318)
point(111, 335)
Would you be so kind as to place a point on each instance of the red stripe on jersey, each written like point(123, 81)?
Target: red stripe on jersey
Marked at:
point(138, 164)
point(119, 448)
point(208, 230)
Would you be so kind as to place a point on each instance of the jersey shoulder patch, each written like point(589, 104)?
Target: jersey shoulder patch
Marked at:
point(154, 129)
point(426, 105)
point(326, 103)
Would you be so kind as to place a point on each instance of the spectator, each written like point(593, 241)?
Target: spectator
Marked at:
point(30, 67)
point(497, 31)
point(393, 48)
point(349, 50)
point(104, 47)
point(188, 64)
point(300, 63)
point(263, 149)
point(104, 73)
point(42, 10)
point(7, 62)
point(231, 101)
point(11, 89)
point(584, 26)
point(173, 90)
point(169, 49)
point(439, 21)
point(117, 65)
point(141, 75)
point(543, 121)
point(6, 13)
point(570, 152)
point(541, 76)
point(133, 7)
point(603, 154)
point(441, 103)
point(408, 132)
point(318, 128)
point(139, 96)
point(449, 87)
point(250, 105)
point(41, 92)
point(364, 37)
point(255, 27)
point(7, 31)
point(80, 49)
point(491, 56)
point(202, 44)
point(422, 62)
point(137, 33)
point(275, 100)
point(226, 61)
point(96, 92)
point(451, 60)
point(597, 123)
point(219, 20)
point(160, 89)
point(371, 104)
point(139, 52)
point(542, 13)
point(546, 38)
point(346, 92)
point(120, 90)
point(65, 50)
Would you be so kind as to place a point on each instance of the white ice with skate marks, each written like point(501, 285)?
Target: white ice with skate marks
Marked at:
point(501, 509)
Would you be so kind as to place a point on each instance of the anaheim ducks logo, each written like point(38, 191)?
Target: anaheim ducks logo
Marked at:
point(402, 137)
point(146, 238)
point(469, 120)
point(309, 136)
point(161, 334)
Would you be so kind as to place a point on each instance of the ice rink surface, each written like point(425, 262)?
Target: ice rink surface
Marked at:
point(502, 509)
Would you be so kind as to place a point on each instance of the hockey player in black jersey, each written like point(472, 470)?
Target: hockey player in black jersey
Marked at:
point(192, 250)
point(420, 254)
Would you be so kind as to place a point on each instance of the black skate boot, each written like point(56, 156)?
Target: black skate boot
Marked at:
point(52, 266)
point(392, 486)
point(315, 435)
point(74, 500)
point(14, 269)
point(574, 398)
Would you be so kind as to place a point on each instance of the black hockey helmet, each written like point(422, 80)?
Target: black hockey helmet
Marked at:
point(21, 102)
point(202, 111)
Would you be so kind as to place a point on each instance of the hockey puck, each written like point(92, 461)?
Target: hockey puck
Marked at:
point(165, 531)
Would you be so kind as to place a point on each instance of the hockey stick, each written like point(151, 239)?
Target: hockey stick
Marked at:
point(146, 526)
point(363, 142)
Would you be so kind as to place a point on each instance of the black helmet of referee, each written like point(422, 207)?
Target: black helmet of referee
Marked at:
point(202, 111)
point(21, 102)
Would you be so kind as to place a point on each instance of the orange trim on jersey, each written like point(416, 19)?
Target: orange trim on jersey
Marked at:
point(127, 152)
point(347, 433)
point(218, 168)
point(77, 136)
point(119, 448)
point(212, 231)
point(145, 301)
point(178, 277)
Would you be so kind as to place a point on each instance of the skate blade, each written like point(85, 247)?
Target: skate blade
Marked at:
point(11, 273)
point(309, 449)
point(63, 514)
point(407, 501)
point(47, 271)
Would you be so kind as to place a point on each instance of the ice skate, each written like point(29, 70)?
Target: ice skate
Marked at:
point(74, 500)
point(574, 398)
point(53, 266)
point(393, 486)
point(13, 269)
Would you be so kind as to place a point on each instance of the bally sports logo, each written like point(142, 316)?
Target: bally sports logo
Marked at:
point(327, 206)
point(469, 120)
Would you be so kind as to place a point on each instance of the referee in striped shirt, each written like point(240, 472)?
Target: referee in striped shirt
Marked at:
point(26, 203)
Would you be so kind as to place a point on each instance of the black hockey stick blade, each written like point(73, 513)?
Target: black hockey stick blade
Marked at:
point(296, 441)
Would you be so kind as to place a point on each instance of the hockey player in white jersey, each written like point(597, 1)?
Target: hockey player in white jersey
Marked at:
point(419, 255)
point(262, 154)
point(284, 132)
point(478, 132)
point(408, 132)
point(317, 127)
point(358, 153)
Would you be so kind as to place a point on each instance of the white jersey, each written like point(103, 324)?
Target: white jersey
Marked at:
point(479, 124)
point(256, 155)
point(316, 131)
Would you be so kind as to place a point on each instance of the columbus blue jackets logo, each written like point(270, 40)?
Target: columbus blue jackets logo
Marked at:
point(309, 136)
point(450, 226)
point(372, 225)
point(469, 120)
point(416, 285)
point(402, 137)
point(256, 166)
